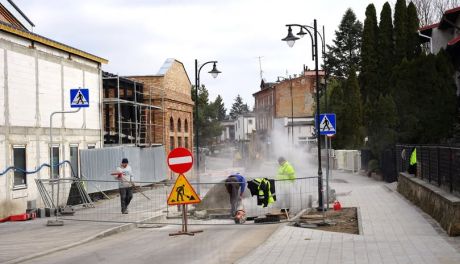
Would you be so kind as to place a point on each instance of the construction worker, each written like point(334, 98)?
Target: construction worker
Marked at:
point(235, 185)
point(124, 175)
point(413, 162)
point(285, 185)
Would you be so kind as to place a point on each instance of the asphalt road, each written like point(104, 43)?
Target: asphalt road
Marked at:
point(217, 244)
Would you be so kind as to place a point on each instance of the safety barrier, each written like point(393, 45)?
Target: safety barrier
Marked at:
point(149, 202)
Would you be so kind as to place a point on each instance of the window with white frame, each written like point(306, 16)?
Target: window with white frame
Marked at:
point(74, 159)
point(19, 162)
point(54, 161)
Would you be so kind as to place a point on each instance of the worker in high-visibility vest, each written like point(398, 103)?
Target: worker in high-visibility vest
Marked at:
point(413, 162)
point(286, 184)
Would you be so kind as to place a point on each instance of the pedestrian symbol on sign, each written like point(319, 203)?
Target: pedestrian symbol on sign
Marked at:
point(326, 124)
point(79, 98)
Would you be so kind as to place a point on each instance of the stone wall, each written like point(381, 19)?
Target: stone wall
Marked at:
point(439, 204)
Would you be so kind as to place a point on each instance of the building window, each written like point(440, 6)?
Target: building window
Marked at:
point(171, 143)
point(250, 121)
point(74, 160)
point(55, 160)
point(179, 126)
point(19, 162)
point(186, 142)
point(179, 142)
point(91, 146)
point(186, 126)
point(171, 124)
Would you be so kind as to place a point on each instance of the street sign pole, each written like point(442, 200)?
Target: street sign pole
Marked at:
point(180, 160)
point(79, 98)
point(327, 171)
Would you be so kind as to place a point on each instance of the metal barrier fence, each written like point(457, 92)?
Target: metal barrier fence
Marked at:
point(149, 202)
point(438, 165)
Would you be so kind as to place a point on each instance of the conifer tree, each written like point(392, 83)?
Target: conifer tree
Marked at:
point(345, 53)
point(238, 107)
point(413, 45)
point(385, 49)
point(400, 30)
point(352, 112)
point(368, 76)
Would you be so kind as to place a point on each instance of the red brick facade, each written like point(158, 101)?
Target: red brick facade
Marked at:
point(170, 90)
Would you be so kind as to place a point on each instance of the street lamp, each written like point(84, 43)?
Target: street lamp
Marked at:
point(290, 40)
point(280, 78)
point(214, 72)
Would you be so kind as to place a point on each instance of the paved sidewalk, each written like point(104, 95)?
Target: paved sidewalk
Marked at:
point(21, 240)
point(394, 231)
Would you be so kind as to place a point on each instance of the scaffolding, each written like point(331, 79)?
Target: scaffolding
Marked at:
point(128, 112)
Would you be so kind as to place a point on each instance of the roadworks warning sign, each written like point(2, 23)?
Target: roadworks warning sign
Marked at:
point(183, 192)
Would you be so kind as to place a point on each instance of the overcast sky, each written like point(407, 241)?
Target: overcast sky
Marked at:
point(137, 36)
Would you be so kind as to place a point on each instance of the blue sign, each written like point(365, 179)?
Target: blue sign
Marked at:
point(79, 97)
point(326, 124)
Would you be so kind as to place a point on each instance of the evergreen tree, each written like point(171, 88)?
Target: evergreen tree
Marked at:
point(425, 96)
point(385, 49)
point(368, 76)
point(400, 30)
point(413, 45)
point(337, 105)
point(382, 128)
point(352, 112)
point(207, 122)
point(238, 107)
point(345, 53)
point(220, 108)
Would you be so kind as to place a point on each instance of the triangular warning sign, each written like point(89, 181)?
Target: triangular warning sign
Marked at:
point(182, 192)
point(325, 125)
point(79, 99)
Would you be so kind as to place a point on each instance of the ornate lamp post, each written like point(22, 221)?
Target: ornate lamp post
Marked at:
point(290, 40)
point(214, 72)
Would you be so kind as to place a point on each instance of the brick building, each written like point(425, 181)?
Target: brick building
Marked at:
point(285, 110)
point(170, 89)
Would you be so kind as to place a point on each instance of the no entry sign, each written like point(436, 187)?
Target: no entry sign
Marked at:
point(180, 160)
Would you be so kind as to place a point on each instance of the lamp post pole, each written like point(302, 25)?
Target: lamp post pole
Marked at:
point(214, 72)
point(290, 39)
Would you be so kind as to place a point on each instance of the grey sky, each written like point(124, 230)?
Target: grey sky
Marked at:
point(137, 36)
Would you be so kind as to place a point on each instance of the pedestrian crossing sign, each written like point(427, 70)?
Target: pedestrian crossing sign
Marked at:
point(326, 124)
point(79, 97)
point(182, 192)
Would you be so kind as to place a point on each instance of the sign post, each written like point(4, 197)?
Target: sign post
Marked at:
point(180, 160)
point(327, 127)
point(79, 98)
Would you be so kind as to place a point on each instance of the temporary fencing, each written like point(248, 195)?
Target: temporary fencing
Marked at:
point(149, 202)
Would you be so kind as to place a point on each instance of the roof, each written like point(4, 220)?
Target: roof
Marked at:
point(453, 41)
point(49, 42)
point(449, 17)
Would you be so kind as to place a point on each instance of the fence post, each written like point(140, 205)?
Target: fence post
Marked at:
point(437, 167)
point(429, 165)
point(451, 186)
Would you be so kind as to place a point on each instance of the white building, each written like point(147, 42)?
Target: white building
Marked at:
point(245, 124)
point(298, 131)
point(228, 131)
point(36, 74)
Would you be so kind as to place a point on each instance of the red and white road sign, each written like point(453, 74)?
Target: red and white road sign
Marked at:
point(180, 160)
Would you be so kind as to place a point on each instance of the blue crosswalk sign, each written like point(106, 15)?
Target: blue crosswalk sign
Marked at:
point(79, 97)
point(326, 124)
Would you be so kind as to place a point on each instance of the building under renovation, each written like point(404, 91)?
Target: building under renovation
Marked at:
point(36, 75)
point(129, 112)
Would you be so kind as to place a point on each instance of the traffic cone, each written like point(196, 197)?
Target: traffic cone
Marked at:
point(337, 206)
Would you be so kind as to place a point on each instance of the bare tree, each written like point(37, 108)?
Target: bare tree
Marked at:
point(431, 11)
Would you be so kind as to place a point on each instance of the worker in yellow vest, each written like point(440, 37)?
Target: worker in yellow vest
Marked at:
point(285, 184)
point(413, 162)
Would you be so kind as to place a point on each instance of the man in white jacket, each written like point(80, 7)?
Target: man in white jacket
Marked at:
point(124, 175)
